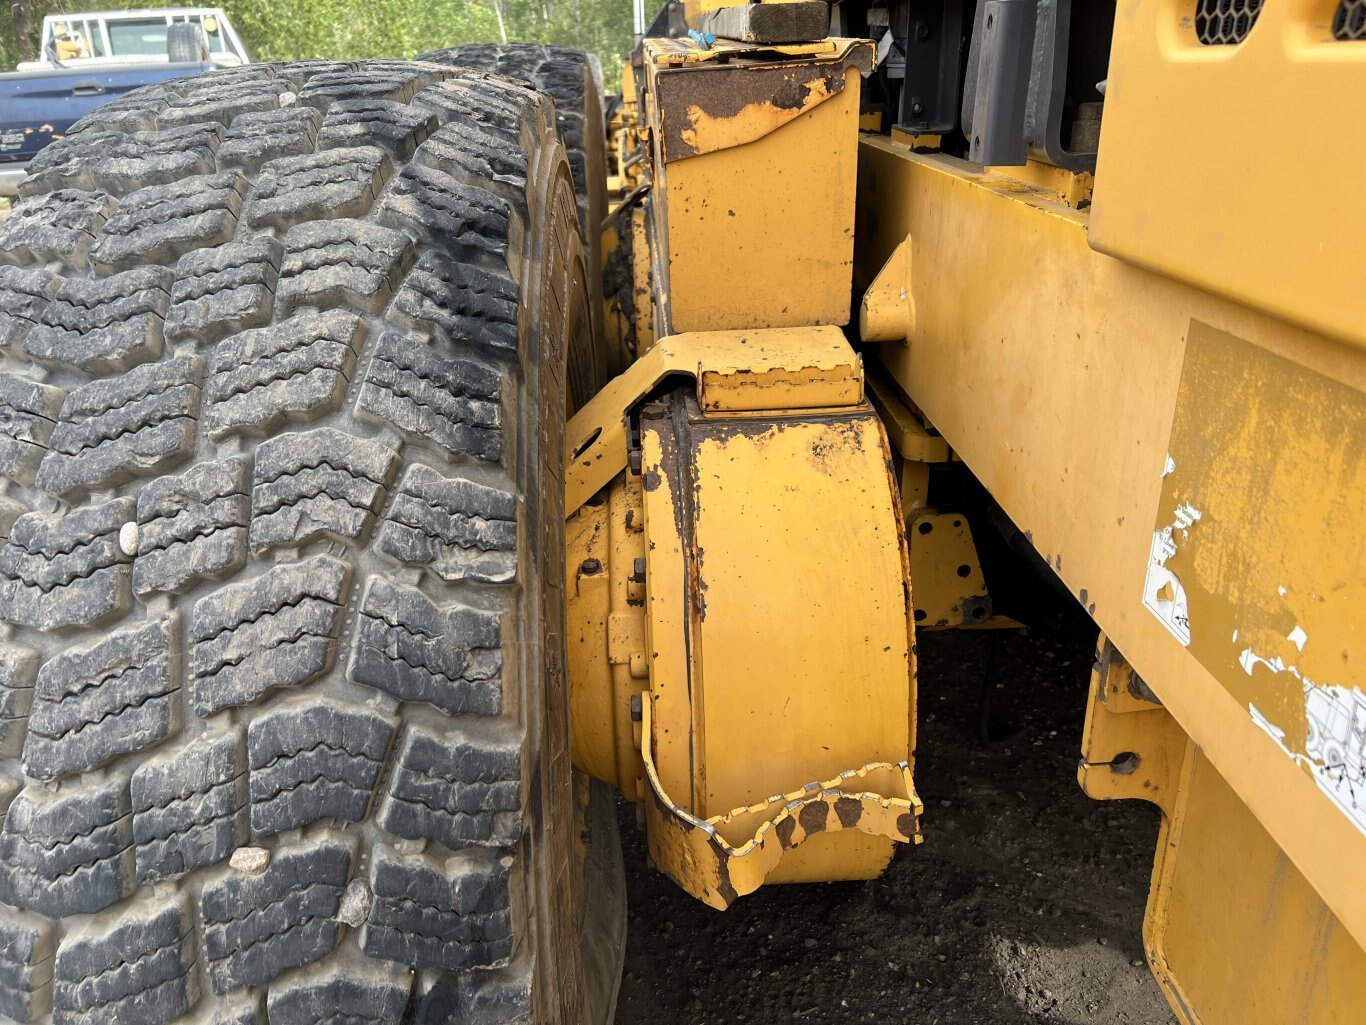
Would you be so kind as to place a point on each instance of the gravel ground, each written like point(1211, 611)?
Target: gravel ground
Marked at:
point(1024, 904)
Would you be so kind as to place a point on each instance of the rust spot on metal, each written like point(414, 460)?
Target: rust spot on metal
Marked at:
point(652, 479)
point(725, 889)
point(849, 810)
point(813, 817)
point(905, 824)
point(704, 108)
point(784, 830)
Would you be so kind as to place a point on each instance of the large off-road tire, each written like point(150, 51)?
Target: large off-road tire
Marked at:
point(567, 76)
point(283, 732)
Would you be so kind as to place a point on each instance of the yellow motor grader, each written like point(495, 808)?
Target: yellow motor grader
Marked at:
point(399, 455)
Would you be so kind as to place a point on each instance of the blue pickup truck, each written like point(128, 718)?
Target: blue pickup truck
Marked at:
point(91, 59)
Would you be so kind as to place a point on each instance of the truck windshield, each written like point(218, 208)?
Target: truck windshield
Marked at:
point(140, 37)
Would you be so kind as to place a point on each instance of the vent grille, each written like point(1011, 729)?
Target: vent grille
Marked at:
point(1349, 22)
point(1227, 22)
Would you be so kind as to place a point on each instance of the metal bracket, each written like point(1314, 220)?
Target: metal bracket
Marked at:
point(735, 371)
point(1131, 746)
point(887, 312)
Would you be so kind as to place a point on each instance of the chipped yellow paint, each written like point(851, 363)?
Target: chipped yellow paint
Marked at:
point(732, 255)
point(1053, 371)
point(779, 368)
point(758, 504)
point(720, 859)
point(706, 134)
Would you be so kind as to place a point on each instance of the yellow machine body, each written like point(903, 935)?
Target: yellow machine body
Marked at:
point(1156, 370)
point(1176, 419)
point(723, 121)
point(685, 640)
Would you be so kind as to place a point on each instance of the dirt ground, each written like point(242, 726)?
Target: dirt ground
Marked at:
point(1024, 904)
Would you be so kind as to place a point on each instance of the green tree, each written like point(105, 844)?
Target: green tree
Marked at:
point(348, 29)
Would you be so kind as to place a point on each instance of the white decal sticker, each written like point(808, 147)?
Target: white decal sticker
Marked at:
point(1335, 742)
point(1163, 594)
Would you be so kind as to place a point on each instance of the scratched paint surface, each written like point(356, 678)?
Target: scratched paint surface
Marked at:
point(1259, 548)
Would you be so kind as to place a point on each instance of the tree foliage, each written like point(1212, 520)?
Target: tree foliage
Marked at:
point(348, 29)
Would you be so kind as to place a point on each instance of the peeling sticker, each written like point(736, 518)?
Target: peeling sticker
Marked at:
point(1171, 466)
point(1163, 594)
point(1297, 637)
point(1335, 744)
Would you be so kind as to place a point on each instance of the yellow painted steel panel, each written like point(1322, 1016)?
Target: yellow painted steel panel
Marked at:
point(792, 368)
point(1189, 183)
point(757, 629)
point(754, 181)
point(783, 513)
point(1053, 371)
point(771, 255)
point(1234, 932)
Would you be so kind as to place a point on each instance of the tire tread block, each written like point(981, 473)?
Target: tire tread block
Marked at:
point(348, 263)
point(18, 670)
point(104, 325)
point(139, 968)
point(24, 295)
point(54, 228)
point(28, 413)
point(341, 182)
point(454, 403)
point(431, 915)
point(67, 853)
point(447, 211)
point(158, 157)
point(398, 127)
point(159, 224)
point(294, 371)
point(459, 792)
point(192, 527)
point(449, 656)
point(68, 569)
point(189, 807)
point(316, 483)
point(27, 945)
point(128, 426)
point(342, 991)
point(459, 529)
point(117, 696)
point(275, 631)
point(313, 761)
point(224, 290)
point(222, 103)
point(463, 303)
point(255, 927)
point(328, 87)
point(253, 140)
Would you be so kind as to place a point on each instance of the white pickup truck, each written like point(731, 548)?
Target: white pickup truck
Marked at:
point(90, 59)
point(137, 37)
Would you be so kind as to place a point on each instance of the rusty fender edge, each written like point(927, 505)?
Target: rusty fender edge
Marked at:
point(720, 859)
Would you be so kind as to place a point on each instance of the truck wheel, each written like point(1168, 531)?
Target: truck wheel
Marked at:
point(567, 77)
point(283, 724)
point(185, 42)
